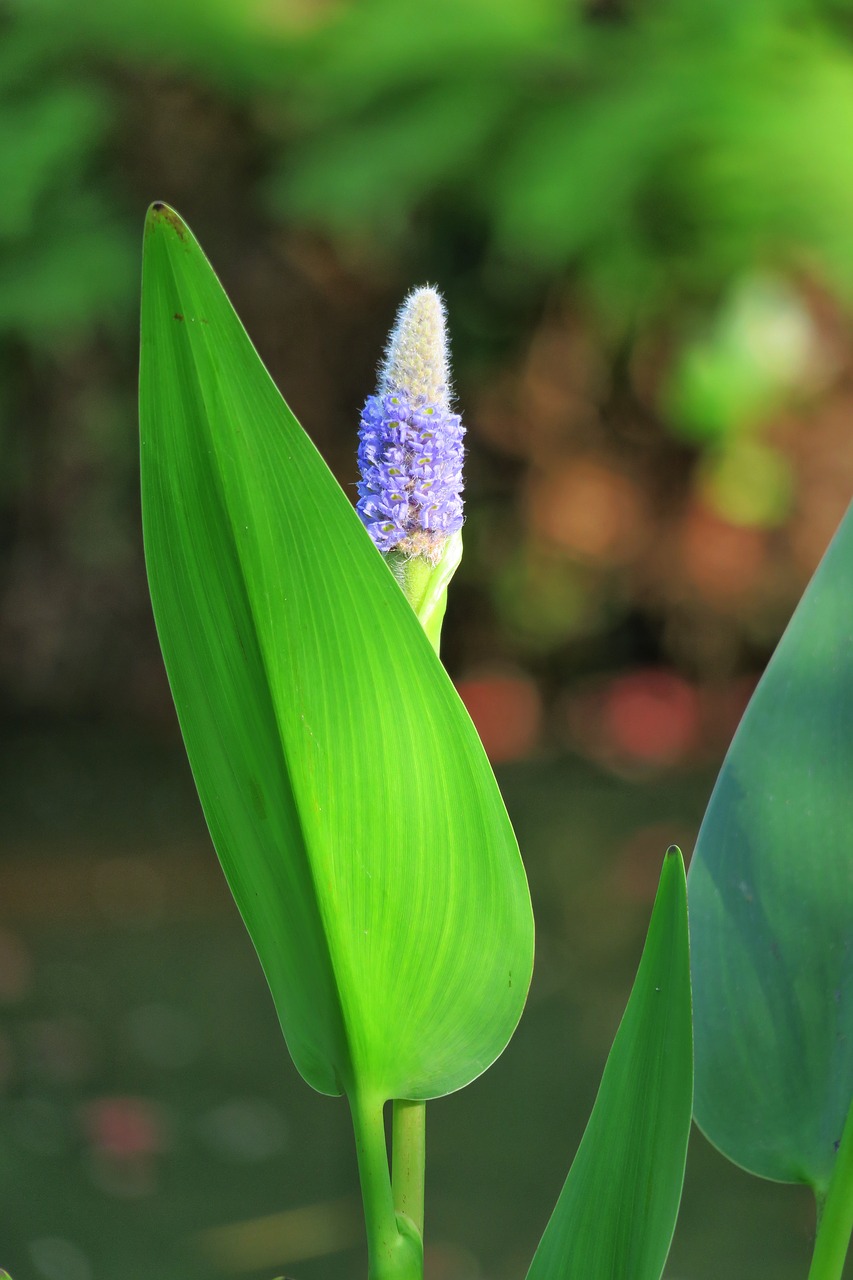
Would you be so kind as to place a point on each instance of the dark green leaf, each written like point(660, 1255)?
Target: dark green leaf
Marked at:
point(771, 903)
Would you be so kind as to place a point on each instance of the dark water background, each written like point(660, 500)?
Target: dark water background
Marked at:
point(152, 1126)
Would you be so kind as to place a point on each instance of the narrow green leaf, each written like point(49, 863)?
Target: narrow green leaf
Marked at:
point(350, 801)
point(771, 903)
point(616, 1213)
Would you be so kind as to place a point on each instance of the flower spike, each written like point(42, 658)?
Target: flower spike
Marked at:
point(410, 443)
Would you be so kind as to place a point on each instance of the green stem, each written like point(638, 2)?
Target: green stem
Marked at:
point(835, 1223)
point(409, 1157)
point(393, 1254)
point(425, 585)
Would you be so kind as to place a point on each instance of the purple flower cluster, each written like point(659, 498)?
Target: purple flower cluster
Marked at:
point(410, 456)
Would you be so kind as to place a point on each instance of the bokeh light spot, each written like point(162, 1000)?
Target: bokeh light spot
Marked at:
point(652, 716)
point(589, 510)
point(58, 1259)
point(163, 1036)
point(507, 712)
point(244, 1129)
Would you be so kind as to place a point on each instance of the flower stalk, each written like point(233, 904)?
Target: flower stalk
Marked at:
point(835, 1213)
point(410, 501)
point(395, 1249)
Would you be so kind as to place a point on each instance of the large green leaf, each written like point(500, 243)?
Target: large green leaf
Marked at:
point(771, 903)
point(348, 795)
point(616, 1213)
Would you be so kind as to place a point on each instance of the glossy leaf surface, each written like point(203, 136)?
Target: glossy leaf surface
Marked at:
point(771, 903)
point(616, 1214)
point(349, 798)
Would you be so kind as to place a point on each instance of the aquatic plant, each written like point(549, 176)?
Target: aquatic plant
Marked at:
point(366, 843)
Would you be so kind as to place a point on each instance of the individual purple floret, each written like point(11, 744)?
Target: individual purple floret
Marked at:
point(410, 443)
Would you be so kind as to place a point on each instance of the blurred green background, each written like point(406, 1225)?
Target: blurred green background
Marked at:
point(641, 216)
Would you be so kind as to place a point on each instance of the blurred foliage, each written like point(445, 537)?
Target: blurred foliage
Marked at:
point(659, 149)
point(642, 217)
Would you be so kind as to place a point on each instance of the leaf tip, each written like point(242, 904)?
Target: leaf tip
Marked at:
point(673, 871)
point(158, 212)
